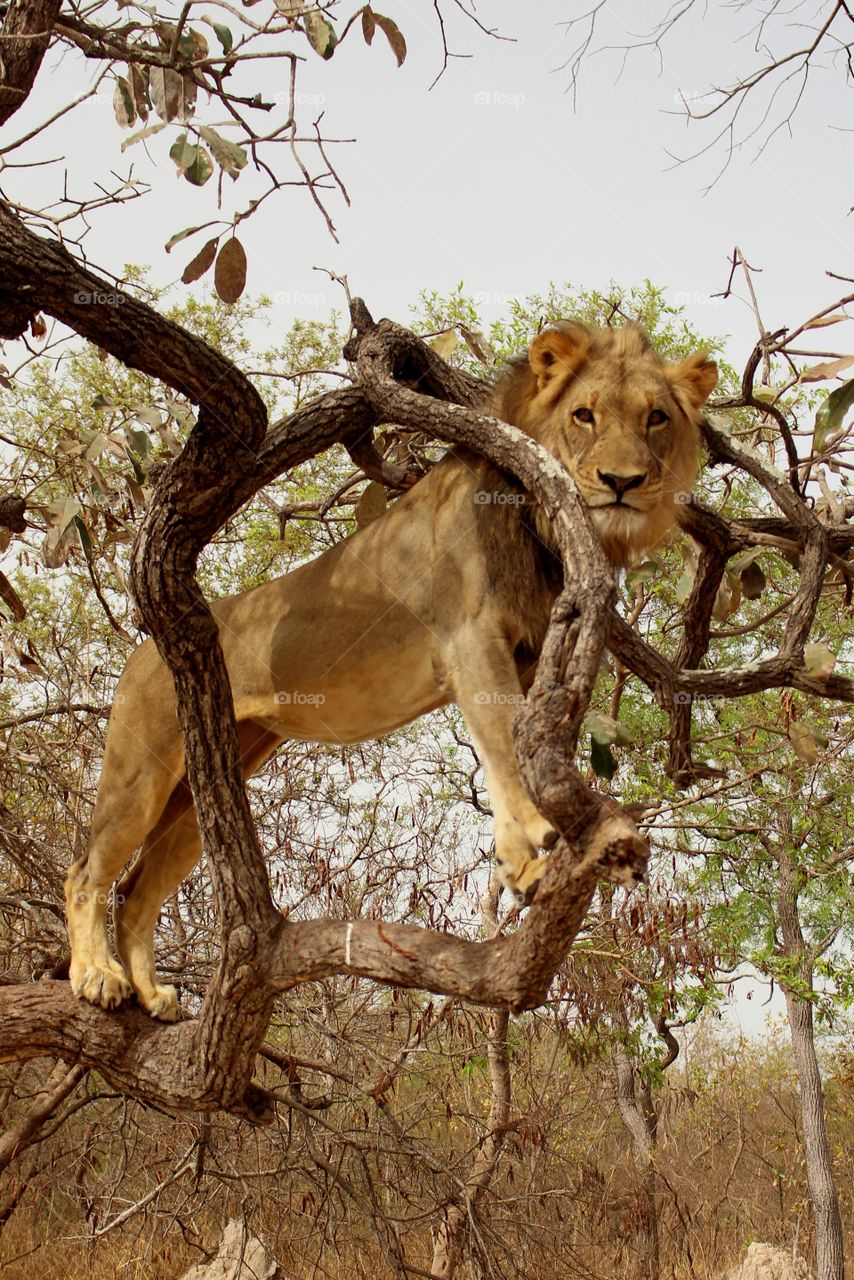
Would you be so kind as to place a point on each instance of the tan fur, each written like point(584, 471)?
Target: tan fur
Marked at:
point(444, 599)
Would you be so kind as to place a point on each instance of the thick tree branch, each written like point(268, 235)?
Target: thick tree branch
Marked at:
point(25, 36)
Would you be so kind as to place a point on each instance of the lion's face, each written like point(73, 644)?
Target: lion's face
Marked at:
point(622, 422)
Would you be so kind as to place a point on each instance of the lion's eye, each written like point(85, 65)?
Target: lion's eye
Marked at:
point(657, 418)
point(584, 415)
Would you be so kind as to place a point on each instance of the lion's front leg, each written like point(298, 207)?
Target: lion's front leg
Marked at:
point(487, 690)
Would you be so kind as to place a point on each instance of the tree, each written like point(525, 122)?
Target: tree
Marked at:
point(208, 1062)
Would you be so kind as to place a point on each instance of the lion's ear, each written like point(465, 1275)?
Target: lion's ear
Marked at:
point(556, 354)
point(694, 379)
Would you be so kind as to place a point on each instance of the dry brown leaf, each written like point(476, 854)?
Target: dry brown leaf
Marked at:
point(203, 260)
point(828, 369)
point(819, 322)
point(230, 271)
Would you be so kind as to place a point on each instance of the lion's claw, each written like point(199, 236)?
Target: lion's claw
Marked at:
point(105, 987)
point(164, 1004)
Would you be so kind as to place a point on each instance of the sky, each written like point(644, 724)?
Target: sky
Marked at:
point(499, 176)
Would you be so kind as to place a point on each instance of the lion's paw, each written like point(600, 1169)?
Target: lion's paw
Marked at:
point(524, 881)
point(162, 1003)
point(106, 986)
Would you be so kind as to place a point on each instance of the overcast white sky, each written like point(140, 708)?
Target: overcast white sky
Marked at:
point(496, 179)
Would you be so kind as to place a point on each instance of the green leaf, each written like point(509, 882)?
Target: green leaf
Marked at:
point(138, 471)
point(230, 270)
point(193, 45)
point(685, 584)
point(819, 660)
point(605, 730)
point(321, 33)
point(229, 156)
point(142, 133)
point(83, 535)
point(223, 35)
point(149, 415)
point(766, 395)
point(138, 441)
point(192, 160)
point(101, 402)
point(804, 741)
point(445, 344)
point(97, 445)
point(183, 152)
point(180, 235)
point(602, 761)
point(643, 573)
point(832, 413)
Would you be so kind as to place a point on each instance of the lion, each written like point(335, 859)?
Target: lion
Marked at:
point(445, 598)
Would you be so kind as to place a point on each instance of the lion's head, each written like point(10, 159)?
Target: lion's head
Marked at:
point(623, 423)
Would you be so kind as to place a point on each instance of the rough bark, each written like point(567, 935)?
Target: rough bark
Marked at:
point(27, 27)
point(830, 1260)
point(450, 1236)
point(59, 1085)
point(638, 1115)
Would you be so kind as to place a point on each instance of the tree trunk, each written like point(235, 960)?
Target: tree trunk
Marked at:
point(450, 1235)
point(830, 1260)
point(638, 1115)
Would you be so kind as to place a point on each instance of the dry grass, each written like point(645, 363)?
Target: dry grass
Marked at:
point(330, 1194)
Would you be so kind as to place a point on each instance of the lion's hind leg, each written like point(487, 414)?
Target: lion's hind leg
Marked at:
point(95, 974)
point(169, 853)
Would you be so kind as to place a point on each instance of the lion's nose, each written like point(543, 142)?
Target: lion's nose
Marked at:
point(621, 484)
